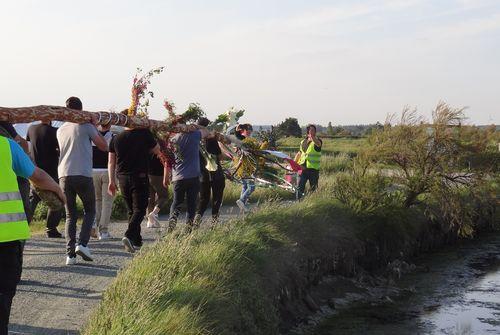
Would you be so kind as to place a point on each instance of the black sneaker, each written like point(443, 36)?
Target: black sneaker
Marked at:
point(128, 245)
point(171, 225)
point(54, 234)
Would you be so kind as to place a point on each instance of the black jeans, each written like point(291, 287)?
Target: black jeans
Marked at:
point(310, 175)
point(11, 262)
point(83, 187)
point(189, 189)
point(53, 217)
point(216, 186)
point(135, 191)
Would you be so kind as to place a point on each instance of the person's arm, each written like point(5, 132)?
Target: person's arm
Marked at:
point(316, 141)
point(112, 173)
point(156, 150)
point(45, 182)
point(100, 142)
point(297, 156)
point(24, 167)
point(205, 133)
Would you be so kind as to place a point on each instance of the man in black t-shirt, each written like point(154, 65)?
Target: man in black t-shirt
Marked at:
point(45, 154)
point(128, 158)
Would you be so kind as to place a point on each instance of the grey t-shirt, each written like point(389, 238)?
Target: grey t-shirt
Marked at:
point(75, 145)
point(187, 160)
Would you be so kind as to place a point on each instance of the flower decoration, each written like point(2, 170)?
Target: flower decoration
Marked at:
point(140, 93)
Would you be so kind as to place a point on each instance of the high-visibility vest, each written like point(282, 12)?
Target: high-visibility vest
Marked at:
point(310, 157)
point(13, 223)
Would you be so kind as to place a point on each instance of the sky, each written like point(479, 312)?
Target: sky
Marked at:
point(345, 62)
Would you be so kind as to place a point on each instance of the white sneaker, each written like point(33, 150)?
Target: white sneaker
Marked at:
point(242, 205)
point(104, 236)
point(70, 260)
point(84, 252)
point(153, 221)
point(128, 245)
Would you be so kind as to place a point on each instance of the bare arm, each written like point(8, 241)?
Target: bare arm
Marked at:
point(100, 142)
point(205, 133)
point(297, 157)
point(41, 179)
point(156, 150)
point(112, 173)
point(317, 141)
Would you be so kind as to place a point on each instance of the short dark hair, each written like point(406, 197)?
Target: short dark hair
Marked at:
point(309, 126)
point(74, 103)
point(244, 126)
point(203, 121)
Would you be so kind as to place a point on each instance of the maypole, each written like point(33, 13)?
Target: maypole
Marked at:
point(58, 113)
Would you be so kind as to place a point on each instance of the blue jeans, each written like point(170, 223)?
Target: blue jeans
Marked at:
point(247, 190)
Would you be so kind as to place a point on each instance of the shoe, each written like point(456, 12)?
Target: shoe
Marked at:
point(128, 245)
point(104, 236)
point(171, 225)
point(54, 234)
point(242, 205)
point(137, 247)
point(70, 260)
point(93, 232)
point(153, 221)
point(84, 252)
point(197, 221)
point(188, 229)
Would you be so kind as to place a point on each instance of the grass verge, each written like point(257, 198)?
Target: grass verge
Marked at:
point(232, 280)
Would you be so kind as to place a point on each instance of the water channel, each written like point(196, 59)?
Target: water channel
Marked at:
point(454, 291)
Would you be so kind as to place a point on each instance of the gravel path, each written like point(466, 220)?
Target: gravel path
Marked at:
point(56, 299)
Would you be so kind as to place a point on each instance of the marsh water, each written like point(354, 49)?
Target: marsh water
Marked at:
point(455, 291)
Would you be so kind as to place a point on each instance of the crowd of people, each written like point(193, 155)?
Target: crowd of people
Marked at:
point(91, 163)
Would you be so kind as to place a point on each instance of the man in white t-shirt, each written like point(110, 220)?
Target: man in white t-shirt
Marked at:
point(75, 178)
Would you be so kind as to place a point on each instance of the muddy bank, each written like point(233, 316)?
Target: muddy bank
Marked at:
point(453, 291)
point(362, 268)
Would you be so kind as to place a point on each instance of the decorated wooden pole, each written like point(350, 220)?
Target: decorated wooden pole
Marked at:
point(58, 113)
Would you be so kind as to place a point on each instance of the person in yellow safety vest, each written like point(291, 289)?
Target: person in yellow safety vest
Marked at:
point(309, 157)
point(14, 228)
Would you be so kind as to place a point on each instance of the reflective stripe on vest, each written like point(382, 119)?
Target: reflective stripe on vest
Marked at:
point(310, 157)
point(7, 196)
point(13, 224)
point(7, 218)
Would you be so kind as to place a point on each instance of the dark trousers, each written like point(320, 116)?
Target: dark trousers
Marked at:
point(310, 175)
point(216, 187)
point(185, 189)
point(53, 217)
point(135, 191)
point(83, 187)
point(11, 261)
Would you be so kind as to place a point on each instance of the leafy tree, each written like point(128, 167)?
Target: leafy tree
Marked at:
point(429, 167)
point(329, 129)
point(289, 127)
point(270, 136)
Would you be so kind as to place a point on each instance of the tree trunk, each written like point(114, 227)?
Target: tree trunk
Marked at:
point(57, 113)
